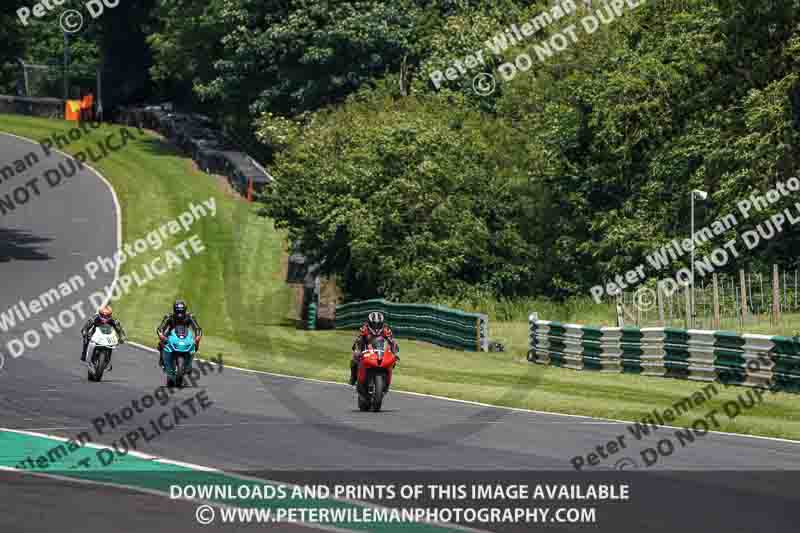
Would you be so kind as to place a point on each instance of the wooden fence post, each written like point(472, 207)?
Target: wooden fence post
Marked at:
point(687, 320)
point(743, 297)
point(776, 308)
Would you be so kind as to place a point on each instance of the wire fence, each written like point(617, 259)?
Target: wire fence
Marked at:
point(733, 301)
point(50, 80)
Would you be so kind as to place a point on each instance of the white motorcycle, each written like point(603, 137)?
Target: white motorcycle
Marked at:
point(103, 341)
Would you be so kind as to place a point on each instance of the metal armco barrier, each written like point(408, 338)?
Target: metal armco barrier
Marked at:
point(652, 340)
point(430, 323)
point(702, 355)
point(623, 343)
point(572, 346)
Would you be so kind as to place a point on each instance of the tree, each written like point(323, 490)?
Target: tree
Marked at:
point(404, 199)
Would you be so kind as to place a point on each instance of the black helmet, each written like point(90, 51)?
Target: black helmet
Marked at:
point(375, 323)
point(179, 309)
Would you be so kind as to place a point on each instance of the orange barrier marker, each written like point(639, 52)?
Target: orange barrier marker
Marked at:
point(72, 110)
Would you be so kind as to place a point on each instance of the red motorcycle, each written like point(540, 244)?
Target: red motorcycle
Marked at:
point(375, 374)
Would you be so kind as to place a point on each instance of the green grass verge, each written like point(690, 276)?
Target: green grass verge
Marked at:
point(237, 290)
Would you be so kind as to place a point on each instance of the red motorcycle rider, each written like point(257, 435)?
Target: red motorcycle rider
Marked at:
point(375, 326)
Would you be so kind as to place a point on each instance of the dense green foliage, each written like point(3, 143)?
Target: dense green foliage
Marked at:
point(114, 43)
point(568, 174)
point(11, 35)
point(408, 199)
point(585, 166)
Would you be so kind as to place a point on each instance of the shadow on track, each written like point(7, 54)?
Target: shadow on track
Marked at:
point(21, 245)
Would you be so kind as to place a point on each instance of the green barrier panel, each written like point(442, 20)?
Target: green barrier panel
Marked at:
point(631, 350)
point(786, 356)
point(312, 316)
point(729, 358)
point(749, 360)
point(591, 350)
point(556, 347)
point(676, 353)
point(431, 323)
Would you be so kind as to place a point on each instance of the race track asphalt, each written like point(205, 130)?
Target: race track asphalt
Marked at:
point(275, 426)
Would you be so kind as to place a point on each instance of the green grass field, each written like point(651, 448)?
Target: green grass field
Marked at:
point(237, 290)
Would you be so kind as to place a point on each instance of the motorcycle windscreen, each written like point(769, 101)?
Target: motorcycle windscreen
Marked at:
point(379, 343)
point(105, 329)
point(181, 339)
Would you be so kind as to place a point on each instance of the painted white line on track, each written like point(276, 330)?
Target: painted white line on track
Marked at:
point(201, 468)
point(117, 206)
point(589, 419)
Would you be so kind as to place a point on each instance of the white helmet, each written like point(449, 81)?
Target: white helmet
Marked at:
point(375, 323)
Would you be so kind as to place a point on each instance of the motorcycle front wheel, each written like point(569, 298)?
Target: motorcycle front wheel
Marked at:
point(379, 387)
point(179, 370)
point(100, 359)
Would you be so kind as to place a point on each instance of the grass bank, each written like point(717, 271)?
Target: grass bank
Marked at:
point(236, 288)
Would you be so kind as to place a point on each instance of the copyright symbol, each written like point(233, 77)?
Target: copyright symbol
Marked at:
point(645, 298)
point(484, 84)
point(204, 515)
point(626, 463)
point(71, 21)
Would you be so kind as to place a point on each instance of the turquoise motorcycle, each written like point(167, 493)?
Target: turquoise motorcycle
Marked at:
point(179, 350)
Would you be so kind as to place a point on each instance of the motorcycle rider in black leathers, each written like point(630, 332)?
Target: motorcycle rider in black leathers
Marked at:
point(179, 316)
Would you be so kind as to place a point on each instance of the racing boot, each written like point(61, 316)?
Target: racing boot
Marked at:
point(353, 372)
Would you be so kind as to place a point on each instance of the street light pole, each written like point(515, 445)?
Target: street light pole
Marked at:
point(66, 66)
